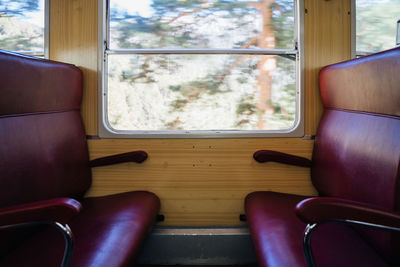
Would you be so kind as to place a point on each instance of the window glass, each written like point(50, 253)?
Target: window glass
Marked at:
point(376, 25)
point(201, 65)
point(201, 92)
point(201, 24)
point(22, 25)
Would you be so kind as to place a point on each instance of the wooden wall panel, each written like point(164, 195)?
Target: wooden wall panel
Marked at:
point(327, 25)
point(199, 181)
point(73, 39)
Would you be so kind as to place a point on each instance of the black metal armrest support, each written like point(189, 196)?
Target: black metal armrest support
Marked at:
point(275, 156)
point(65, 230)
point(318, 210)
point(56, 212)
point(134, 156)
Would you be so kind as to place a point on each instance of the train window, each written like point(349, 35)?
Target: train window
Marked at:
point(201, 68)
point(375, 25)
point(22, 26)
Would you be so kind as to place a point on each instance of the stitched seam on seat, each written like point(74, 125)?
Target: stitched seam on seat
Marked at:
point(33, 58)
point(365, 113)
point(38, 113)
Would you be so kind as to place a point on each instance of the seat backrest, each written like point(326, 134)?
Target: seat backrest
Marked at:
point(357, 148)
point(43, 152)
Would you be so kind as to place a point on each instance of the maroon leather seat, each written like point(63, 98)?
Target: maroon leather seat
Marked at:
point(45, 172)
point(355, 168)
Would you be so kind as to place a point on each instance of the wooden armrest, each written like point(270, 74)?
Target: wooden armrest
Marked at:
point(275, 156)
point(134, 156)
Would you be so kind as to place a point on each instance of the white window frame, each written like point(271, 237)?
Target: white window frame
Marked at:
point(45, 53)
point(106, 131)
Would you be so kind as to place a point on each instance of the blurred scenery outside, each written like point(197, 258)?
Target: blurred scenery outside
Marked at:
point(376, 24)
point(199, 92)
point(202, 92)
point(22, 25)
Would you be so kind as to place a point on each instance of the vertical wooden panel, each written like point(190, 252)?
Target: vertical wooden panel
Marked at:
point(73, 39)
point(327, 37)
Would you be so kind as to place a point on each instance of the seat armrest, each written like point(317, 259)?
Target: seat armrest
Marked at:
point(275, 156)
point(134, 156)
point(61, 210)
point(320, 209)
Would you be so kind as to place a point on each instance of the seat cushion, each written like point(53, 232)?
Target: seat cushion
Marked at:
point(108, 232)
point(277, 235)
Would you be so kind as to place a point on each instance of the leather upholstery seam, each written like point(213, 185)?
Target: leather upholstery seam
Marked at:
point(33, 58)
point(365, 113)
point(38, 113)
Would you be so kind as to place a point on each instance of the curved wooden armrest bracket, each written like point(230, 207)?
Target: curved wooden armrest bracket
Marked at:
point(275, 156)
point(134, 156)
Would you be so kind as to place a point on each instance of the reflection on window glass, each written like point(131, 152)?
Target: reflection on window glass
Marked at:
point(192, 24)
point(376, 24)
point(201, 92)
point(22, 25)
